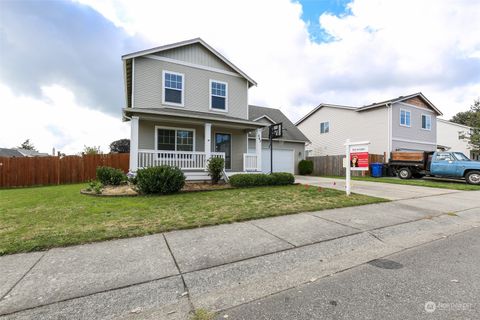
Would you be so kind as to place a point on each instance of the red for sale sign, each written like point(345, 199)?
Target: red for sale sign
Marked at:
point(359, 157)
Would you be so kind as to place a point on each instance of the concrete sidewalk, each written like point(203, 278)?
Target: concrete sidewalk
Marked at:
point(165, 276)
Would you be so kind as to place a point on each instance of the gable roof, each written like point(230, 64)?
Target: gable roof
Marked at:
point(400, 99)
point(292, 133)
point(5, 152)
point(128, 69)
point(372, 106)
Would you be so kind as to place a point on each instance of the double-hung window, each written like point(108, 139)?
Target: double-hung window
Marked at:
point(426, 122)
point(324, 127)
point(173, 88)
point(171, 139)
point(405, 118)
point(218, 95)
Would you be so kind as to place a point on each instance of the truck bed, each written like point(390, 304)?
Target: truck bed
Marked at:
point(401, 156)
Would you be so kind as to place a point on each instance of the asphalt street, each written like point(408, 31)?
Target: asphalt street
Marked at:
point(438, 281)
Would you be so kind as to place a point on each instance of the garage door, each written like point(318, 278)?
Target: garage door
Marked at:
point(282, 160)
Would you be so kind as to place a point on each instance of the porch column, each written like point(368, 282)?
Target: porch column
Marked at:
point(208, 142)
point(134, 144)
point(258, 148)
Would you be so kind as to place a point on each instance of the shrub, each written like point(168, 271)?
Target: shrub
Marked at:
point(305, 167)
point(110, 176)
point(160, 180)
point(95, 186)
point(282, 178)
point(254, 180)
point(215, 168)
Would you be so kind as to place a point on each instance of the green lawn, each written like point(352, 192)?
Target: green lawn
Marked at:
point(425, 182)
point(44, 217)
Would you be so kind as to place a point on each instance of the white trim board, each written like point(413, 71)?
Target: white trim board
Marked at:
point(414, 141)
point(193, 65)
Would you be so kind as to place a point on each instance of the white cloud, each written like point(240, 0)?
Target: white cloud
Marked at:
point(56, 120)
point(381, 50)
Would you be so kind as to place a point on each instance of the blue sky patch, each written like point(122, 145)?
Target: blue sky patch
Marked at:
point(312, 9)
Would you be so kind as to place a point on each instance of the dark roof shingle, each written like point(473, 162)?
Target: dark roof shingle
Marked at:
point(291, 132)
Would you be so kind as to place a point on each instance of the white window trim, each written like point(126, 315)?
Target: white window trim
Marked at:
point(174, 128)
point(400, 120)
point(321, 127)
point(163, 89)
point(427, 116)
point(226, 95)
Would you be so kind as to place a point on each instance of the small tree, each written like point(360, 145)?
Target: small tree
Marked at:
point(27, 145)
point(215, 168)
point(92, 150)
point(120, 146)
point(471, 118)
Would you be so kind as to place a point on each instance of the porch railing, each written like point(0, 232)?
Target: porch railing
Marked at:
point(186, 160)
point(250, 162)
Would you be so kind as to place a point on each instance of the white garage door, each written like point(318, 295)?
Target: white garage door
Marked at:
point(282, 160)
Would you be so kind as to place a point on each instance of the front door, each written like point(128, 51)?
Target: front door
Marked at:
point(223, 143)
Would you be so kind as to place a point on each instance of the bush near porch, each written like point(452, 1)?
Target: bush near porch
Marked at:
point(45, 217)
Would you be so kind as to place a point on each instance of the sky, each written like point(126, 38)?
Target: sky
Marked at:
point(61, 77)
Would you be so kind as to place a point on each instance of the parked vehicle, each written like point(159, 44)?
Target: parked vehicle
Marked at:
point(440, 164)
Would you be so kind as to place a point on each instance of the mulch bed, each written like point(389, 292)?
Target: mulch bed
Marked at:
point(129, 191)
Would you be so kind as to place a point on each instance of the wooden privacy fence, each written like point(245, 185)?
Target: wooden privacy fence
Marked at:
point(333, 165)
point(23, 172)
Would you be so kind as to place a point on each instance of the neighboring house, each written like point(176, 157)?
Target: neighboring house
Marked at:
point(404, 123)
point(287, 151)
point(186, 103)
point(20, 153)
point(453, 136)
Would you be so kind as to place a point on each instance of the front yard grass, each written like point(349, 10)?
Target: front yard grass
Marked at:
point(425, 182)
point(44, 217)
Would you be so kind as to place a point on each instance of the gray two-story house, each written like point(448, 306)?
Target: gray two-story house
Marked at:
point(404, 123)
point(186, 103)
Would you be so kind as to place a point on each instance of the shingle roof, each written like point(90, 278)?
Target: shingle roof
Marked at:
point(4, 152)
point(291, 133)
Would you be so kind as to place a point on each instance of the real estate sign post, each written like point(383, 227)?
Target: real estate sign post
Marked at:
point(356, 159)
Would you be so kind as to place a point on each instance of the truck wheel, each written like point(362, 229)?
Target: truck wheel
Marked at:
point(405, 173)
point(473, 177)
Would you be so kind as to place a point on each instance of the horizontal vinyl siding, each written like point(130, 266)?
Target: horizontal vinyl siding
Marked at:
point(197, 54)
point(148, 87)
point(346, 124)
point(447, 135)
point(146, 134)
point(415, 132)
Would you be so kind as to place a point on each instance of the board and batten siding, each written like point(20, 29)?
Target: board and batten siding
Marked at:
point(196, 54)
point(449, 135)
point(413, 137)
point(148, 87)
point(371, 125)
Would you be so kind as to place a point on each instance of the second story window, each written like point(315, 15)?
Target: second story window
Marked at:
point(405, 117)
point(426, 122)
point(324, 127)
point(218, 95)
point(173, 88)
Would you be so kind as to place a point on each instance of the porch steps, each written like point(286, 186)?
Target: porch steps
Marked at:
point(196, 175)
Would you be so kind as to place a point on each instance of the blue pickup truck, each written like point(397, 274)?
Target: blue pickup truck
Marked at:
point(409, 165)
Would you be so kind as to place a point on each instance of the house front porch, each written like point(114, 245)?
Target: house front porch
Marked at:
point(189, 141)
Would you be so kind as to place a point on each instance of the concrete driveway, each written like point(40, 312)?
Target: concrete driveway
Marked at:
point(382, 190)
point(166, 276)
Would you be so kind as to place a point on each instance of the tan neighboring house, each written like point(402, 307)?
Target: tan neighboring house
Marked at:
point(186, 103)
point(453, 136)
point(404, 123)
